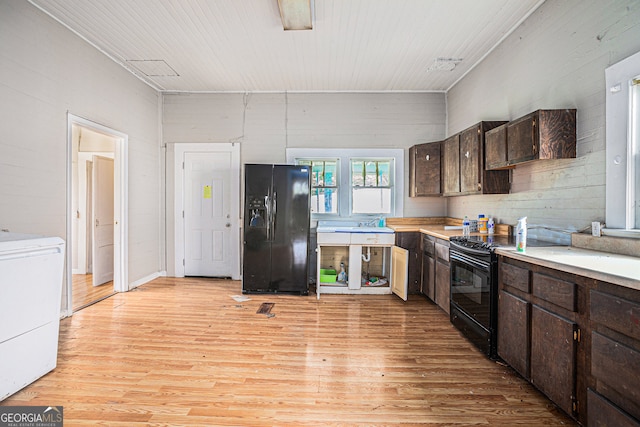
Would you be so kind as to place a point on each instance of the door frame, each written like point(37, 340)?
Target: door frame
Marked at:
point(121, 236)
point(175, 200)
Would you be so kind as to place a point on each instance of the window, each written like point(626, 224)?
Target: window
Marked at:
point(354, 184)
point(623, 146)
point(371, 186)
point(324, 187)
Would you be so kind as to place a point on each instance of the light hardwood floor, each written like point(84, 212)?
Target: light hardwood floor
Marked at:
point(183, 352)
point(84, 293)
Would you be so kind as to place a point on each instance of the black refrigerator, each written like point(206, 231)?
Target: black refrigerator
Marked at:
point(277, 213)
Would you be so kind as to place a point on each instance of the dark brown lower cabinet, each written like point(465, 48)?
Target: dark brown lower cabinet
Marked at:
point(410, 240)
point(443, 275)
point(574, 338)
point(553, 357)
point(538, 329)
point(514, 334)
point(614, 394)
point(428, 285)
point(604, 413)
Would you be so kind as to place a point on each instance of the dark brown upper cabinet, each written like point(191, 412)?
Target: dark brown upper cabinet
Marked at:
point(466, 174)
point(543, 134)
point(451, 166)
point(495, 148)
point(425, 170)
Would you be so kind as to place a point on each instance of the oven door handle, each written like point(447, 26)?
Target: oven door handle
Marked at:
point(456, 256)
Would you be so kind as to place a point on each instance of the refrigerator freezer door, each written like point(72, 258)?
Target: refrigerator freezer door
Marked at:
point(256, 265)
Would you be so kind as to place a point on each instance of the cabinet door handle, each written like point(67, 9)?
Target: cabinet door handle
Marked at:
point(466, 154)
point(427, 157)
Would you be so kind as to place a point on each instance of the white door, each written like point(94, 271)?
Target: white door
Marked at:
point(400, 272)
point(208, 220)
point(103, 221)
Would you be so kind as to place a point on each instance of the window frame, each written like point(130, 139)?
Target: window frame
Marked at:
point(621, 148)
point(344, 175)
point(352, 187)
point(337, 180)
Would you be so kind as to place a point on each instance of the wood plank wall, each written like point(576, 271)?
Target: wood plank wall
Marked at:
point(555, 59)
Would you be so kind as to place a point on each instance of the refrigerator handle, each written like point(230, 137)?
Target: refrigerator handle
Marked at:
point(267, 205)
point(273, 215)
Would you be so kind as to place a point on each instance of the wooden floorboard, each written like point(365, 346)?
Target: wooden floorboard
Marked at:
point(84, 293)
point(182, 352)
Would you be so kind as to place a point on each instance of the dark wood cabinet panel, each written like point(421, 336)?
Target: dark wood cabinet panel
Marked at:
point(443, 286)
point(428, 285)
point(411, 242)
point(443, 275)
point(553, 357)
point(470, 162)
point(616, 313)
point(515, 277)
point(543, 134)
point(603, 413)
point(467, 174)
point(451, 165)
point(425, 170)
point(495, 148)
point(514, 338)
point(555, 291)
point(616, 365)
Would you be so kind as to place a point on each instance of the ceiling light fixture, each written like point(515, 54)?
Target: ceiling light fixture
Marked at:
point(295, 14)
point(444, 64)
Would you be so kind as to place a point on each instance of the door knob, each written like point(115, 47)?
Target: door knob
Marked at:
point(228, 225)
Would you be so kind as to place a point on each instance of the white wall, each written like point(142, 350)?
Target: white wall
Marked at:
point(46, 72)
point(266, 124)
point(555, 59)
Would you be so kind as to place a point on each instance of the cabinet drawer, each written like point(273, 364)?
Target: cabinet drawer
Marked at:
point(372, 239)
point(429, 245)
point(442, 251)
point(335, 238)
point(408, 239)
point(616, 365)
point(516, 277)
point(555, 291)
point(615, 313)
point(603, 413)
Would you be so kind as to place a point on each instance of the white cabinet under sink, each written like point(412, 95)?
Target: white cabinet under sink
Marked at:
point(365, 250)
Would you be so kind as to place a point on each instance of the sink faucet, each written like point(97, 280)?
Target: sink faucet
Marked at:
point(371, 223)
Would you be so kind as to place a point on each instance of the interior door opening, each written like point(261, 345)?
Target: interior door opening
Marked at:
point(95, 232)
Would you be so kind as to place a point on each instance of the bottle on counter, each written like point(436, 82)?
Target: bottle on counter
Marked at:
point(491, 227)
point(482, 224)
point(466, 227)
point(521, 235)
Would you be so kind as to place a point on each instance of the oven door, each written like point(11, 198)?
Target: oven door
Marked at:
point(473, 295)
point(471, 285)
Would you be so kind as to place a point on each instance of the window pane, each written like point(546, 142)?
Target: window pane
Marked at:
point(318, 174)
point(324, 200)
point(371, 177)
point(330, 171)
point(384, 169)
point(371, 200)
point(357, 168)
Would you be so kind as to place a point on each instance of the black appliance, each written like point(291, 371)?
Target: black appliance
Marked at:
point(277, 213)
point(474, 289)
point(474, 286)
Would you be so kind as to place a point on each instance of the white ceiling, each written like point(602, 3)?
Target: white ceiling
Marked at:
point(239, 45)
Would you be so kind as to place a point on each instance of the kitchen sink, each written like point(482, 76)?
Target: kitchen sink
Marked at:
point(349, 227)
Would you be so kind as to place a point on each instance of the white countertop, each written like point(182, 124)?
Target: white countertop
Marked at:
point(618, 269)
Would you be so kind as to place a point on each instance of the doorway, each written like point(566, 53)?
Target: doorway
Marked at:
point(96, 237)
point(206, 198)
